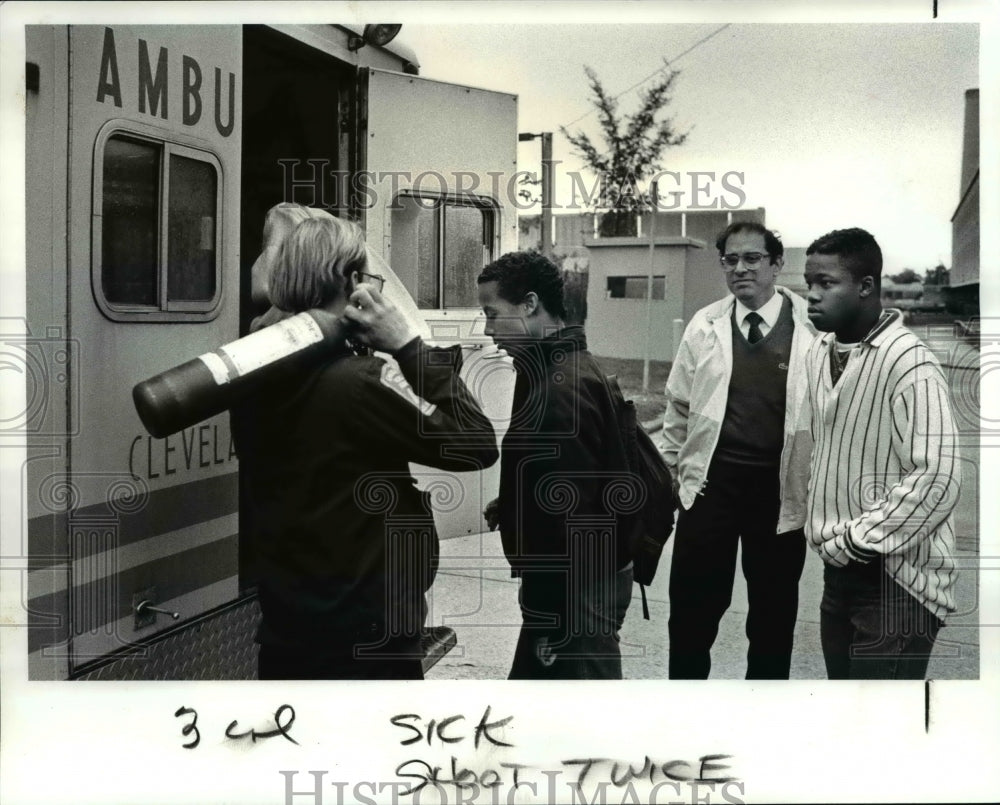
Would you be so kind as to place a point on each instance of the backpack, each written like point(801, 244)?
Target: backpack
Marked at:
point(650, 526)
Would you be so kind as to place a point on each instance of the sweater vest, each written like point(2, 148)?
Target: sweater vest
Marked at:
point(752, 432)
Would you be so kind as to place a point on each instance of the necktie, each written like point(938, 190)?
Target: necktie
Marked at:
point(755, 334)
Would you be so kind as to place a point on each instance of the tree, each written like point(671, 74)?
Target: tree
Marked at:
point(907, 275)
point(939, 275)
point(631, 152)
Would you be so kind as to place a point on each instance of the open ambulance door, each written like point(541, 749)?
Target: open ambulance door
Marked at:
point(437, 199)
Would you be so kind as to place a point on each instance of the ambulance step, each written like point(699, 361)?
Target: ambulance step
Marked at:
point(435, 643)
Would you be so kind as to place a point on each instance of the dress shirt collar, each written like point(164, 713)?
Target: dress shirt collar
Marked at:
point(769, 311)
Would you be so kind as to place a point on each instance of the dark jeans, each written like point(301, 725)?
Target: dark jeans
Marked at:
point(739, 504)
point(871, 628)
point(575, 639)
point(400, 661)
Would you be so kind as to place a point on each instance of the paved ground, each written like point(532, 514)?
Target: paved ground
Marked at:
point(475, 595)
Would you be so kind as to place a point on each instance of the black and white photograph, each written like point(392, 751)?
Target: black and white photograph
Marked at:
point(489, 402)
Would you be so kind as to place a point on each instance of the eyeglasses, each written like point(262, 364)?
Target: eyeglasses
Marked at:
point(751, 260)
point(373, 278)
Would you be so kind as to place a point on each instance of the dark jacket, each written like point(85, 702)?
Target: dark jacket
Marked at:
point(345, 543)
point(561, 456)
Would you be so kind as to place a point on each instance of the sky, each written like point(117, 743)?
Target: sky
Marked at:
point(830, 125)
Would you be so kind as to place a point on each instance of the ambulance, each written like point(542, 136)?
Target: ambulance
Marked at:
point(153, 154)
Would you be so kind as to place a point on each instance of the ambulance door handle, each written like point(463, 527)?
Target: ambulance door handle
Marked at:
point(144, 608)
point(147, 606)
point(496, 355)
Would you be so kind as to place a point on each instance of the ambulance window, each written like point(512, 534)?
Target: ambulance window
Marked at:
point(131, 179)
point(439, 246)
point(157, 230)
point(191, 231)
point(464, 254)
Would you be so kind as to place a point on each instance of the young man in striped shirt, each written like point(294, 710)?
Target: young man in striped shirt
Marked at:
point(884, 472)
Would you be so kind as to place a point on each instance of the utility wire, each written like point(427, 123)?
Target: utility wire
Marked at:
point(669, 62)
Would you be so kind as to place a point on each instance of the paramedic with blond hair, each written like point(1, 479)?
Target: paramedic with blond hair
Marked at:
point(325, 456)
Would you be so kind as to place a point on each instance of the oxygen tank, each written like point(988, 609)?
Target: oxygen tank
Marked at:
point(213, 382)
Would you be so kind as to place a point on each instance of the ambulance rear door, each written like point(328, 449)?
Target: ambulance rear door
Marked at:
point(437, 196)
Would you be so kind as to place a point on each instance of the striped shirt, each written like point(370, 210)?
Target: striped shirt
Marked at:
point(885, 475)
